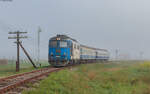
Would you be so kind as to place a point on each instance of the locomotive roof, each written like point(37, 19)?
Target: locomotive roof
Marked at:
point(62, 37)
point(65, 37)
point(93, 48)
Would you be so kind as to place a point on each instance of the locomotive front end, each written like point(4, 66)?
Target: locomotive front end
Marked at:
point(59, 52)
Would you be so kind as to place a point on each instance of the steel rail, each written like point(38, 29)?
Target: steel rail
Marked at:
point(21, 74)
point(10, 86)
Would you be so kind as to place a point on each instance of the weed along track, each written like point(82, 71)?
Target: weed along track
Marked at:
point(11, 82)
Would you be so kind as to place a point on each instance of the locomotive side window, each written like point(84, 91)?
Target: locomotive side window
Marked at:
point(74, 46)
point(78, 47)
point(53, 43)
point(63, 44)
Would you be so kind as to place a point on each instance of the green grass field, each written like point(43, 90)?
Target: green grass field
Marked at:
point(113, 78)
point(25, 66)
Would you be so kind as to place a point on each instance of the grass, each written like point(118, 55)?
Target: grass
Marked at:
point(25, 66)
point(113, 78)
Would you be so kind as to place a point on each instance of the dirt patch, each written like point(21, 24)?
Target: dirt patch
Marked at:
point(112, 69)
point(91, 75)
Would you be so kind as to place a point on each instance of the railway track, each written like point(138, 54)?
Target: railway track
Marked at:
point(11, 82)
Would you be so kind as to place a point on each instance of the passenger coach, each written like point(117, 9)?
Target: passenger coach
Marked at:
point(64, 50)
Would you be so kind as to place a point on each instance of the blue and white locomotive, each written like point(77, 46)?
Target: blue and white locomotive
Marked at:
point(64, 51)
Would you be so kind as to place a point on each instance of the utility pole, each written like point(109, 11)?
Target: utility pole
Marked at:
point(39, 30)
point(141, 55)
point(17, 37)
point(116, 52)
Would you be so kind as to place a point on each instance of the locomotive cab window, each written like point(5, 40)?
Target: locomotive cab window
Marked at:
point(63, 44)
point(53, 43)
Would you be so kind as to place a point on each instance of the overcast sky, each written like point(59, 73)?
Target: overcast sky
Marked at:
point(109, 24)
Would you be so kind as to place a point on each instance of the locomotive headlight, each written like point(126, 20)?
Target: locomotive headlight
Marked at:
point(58, 39)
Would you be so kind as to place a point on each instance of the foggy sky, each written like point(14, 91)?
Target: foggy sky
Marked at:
point(109, 24)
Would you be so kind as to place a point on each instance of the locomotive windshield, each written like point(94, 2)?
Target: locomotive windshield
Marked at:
point(61, 44)
point(53, 43)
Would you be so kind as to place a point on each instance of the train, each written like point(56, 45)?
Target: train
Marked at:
point(64, 51)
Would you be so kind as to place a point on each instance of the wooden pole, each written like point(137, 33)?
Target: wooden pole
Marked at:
point(18, 60)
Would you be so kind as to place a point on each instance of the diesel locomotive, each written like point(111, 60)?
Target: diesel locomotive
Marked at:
point(64, 50)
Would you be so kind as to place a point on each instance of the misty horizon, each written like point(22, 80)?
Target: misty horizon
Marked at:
point(112, 25)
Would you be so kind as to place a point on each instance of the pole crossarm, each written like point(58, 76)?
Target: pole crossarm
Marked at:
point(17, 32)
point(20, 37)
